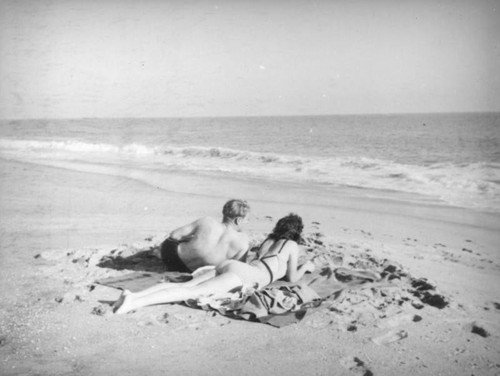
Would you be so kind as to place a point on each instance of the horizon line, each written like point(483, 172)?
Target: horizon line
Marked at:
point(248, 116)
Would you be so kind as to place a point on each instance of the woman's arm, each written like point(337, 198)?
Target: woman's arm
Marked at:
point(294, 273)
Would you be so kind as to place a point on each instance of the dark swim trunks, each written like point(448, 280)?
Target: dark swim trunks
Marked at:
point(170, 257)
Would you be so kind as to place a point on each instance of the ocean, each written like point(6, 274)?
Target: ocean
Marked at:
point(452, 159)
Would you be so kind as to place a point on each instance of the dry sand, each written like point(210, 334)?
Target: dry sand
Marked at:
point(56, 230)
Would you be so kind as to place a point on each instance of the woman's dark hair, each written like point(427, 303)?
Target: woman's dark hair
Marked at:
point(289, 227)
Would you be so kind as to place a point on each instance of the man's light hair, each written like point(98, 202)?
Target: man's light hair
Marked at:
point(235, 208)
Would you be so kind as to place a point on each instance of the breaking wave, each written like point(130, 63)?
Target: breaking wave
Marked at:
point(467, 184)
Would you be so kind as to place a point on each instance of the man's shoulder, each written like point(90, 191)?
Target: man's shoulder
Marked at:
point(207, 221)
point(244, 236)
point(242, 239)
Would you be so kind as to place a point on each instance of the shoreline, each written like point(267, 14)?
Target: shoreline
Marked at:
point(316, 194)
point(52, 210)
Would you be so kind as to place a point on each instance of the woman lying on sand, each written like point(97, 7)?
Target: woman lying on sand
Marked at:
point(278, 257)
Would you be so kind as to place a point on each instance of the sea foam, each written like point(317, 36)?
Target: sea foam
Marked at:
point(465, 184)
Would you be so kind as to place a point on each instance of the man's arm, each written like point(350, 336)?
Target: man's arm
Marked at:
point(184, 233)
point(244, 246)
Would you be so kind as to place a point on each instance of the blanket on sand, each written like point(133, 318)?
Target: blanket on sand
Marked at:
point(283, 303)
point(278, 304)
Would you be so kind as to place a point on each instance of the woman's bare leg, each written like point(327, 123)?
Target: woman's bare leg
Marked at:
point(168, 285)
point(218, 285)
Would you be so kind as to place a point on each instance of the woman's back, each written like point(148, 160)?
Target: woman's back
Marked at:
point(274, 255)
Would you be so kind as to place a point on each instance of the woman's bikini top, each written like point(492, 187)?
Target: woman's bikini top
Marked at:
point(268, 267)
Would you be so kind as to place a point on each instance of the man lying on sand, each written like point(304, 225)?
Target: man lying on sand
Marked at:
point(278, 258)
point(207, 241)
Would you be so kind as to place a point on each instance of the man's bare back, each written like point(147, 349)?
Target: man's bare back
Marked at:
point(208, 241)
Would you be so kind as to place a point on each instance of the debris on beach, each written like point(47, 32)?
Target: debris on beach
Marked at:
point(389, 337)
point(480, 331)
point(477, 329)
point(425, 291)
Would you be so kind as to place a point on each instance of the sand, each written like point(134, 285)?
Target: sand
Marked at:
point(57, 225)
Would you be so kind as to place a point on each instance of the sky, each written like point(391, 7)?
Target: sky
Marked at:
point(153, 58)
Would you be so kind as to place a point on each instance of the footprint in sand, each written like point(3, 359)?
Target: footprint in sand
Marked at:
point(398, 320)
point(436, 245)
point(163, 319)
point(3, 341)
point(366, 233)
point(101, 310)
point(355, 365)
